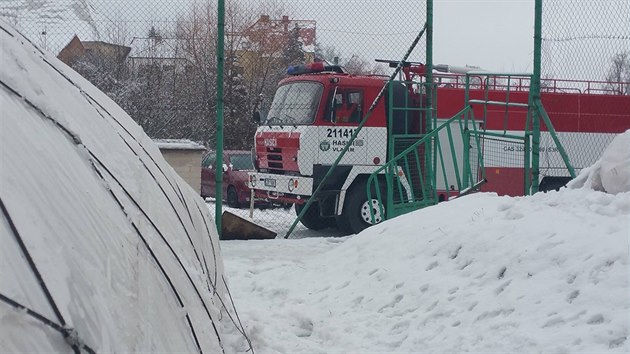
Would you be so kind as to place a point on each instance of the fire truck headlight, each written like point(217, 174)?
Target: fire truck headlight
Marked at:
point(291, 185)
point(252, 180)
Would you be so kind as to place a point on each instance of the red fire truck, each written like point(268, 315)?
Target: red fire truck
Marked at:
point(317, 108)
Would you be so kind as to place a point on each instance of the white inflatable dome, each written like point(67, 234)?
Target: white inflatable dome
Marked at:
point(103, 248)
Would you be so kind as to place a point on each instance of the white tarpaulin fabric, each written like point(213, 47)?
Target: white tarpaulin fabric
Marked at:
point(102, 246)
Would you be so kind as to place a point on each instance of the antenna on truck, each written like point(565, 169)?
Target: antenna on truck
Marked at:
point(394, 63)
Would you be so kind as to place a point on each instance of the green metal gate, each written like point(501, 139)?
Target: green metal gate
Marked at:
point(428, 160)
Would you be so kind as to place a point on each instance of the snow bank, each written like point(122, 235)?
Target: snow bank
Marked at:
point(547, 273)
point(100, 241)
point(611, 173)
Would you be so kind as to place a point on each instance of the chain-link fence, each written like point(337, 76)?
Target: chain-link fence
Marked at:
point(158, 61)
point(585, 79)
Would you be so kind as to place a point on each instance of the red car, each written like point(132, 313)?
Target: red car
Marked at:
point(236, 165)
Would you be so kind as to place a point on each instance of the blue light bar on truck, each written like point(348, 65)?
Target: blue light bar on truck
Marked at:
point(316, 67)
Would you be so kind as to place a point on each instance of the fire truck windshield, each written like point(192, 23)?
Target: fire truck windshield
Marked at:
point(295, 104)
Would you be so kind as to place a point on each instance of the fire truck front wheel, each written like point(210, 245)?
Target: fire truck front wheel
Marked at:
point(356, 210)
point(311, 219)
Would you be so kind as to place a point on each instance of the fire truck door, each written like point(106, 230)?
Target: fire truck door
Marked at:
point(343, 113)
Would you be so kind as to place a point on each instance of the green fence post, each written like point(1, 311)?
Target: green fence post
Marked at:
point(535, 94)
point(218, 212)
point(428, 109)
point(429, 59)
point(466, 173)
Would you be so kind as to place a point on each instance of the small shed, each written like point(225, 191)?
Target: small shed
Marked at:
point(185, 157)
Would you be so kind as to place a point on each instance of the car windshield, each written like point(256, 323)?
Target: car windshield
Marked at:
point(295, 103)
point(241, 162)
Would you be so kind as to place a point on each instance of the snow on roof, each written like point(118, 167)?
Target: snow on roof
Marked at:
point(100, 240)
point(52, 24)
point(178, 144)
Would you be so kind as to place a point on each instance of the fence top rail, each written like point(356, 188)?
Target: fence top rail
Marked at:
point(497, 81)
point(489, 73)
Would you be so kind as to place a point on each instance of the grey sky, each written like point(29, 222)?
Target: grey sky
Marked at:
point(493, 34)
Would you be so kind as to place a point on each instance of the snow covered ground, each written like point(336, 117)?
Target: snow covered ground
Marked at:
point(546, 273)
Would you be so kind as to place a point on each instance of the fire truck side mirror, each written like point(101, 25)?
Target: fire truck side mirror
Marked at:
point(256, 117)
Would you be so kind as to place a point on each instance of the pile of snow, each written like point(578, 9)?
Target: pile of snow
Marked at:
point(101, 243)
point(611, 173)
point(546, 273)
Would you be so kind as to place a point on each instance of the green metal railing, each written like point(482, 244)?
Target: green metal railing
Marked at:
point(502, 83)
point(407, 189)
point(407, 124)
point(530, 137)
point(409, 180)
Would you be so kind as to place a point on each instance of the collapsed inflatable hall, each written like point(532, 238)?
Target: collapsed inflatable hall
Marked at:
point(103, 247)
